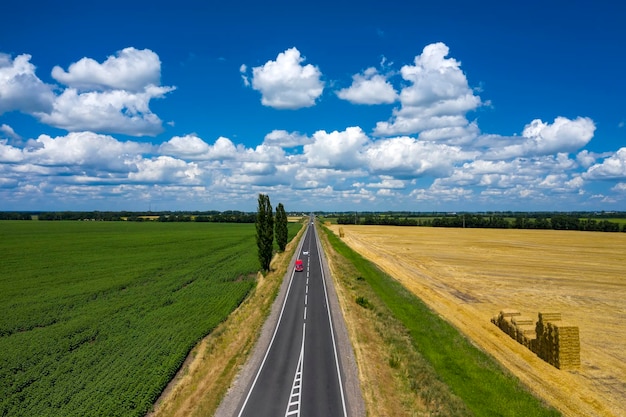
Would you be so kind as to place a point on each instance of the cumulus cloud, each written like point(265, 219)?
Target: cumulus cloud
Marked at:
point(20, 88)
point(164, 170)
point(10, 154)
point(339, 150)
point(131, 70)
point(613, 167)
point(243, 69)
point(386, 183)
point(114, 111)
point(189, 146)
point(620, 187)
point(264, 153)
point(369, 88)
point(84, 149)
point(518, 177)
point(408, 157)
point(586, 158)
point(437, 98)
point(109, 97)
point(223, 148)
point(287, 84)
point(7, 131)
point(540, 138)
point(563, 135)
point(285, 139)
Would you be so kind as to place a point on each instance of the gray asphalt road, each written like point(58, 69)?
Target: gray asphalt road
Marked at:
point(300, 374)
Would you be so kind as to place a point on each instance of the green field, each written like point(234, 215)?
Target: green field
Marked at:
point(97, 317)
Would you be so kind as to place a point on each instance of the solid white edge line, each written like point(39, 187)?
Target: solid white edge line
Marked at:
point(302, 367)
point(267, 352)
point(332, 333)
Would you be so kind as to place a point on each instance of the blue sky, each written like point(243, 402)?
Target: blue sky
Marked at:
point(369, 105)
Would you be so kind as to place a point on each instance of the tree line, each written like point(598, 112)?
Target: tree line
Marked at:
point(555, 221)
point(230, 216)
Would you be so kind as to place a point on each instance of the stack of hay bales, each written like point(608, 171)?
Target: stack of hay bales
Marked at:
point(341, 233)
point(525, 330)
point(558, 343)
point(568, 346)
point(504, 321)
point(546, 343)
point(519, 327)
point(553, 341)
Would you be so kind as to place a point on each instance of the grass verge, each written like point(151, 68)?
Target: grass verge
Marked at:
point(406, 351)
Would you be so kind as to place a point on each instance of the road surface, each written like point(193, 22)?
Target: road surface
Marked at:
point(300, 374)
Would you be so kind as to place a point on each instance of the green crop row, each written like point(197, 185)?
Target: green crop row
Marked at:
point(96, 318)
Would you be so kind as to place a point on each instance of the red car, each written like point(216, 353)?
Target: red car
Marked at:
point(299, 265)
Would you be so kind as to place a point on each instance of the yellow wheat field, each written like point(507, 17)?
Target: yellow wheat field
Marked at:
point(469, 275)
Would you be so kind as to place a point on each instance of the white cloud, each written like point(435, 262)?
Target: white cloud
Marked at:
point(222, 149)
point(518, 178)
point(437, 98)
point(243, 69)
point(369, 88)
point(339, 150)
point(264, 153)
point(620, 187)
point(115, 111)
point(85, 150)
point(440, 194)
point(20, 88)
point(131, 70)
point(386, 183)
point(10, 154)
point(586, 158)
point(408, 157)
point(189, 146)
point(164, 170)
point(465, 134)
point(563, 135)
point(112, 97)
point(286, 139)
point(258, 168)
point(540, 138)
point(613, 167)
point(8, 132)
point(285, 83)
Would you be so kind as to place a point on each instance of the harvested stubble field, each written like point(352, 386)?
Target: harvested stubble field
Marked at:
point(469, 275)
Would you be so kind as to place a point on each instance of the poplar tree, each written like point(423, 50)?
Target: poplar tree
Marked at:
point(280, 228)
point(265, 231)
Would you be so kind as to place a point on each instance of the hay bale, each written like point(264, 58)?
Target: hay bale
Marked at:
point(545, 317)
point(525, 333)
point(523, 321)
point(509, 313)
point(558, 343)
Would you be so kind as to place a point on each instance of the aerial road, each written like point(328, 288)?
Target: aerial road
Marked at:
point(300, 373)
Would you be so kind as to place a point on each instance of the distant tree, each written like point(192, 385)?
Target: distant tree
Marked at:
point(280, 228)
point(265, 231)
